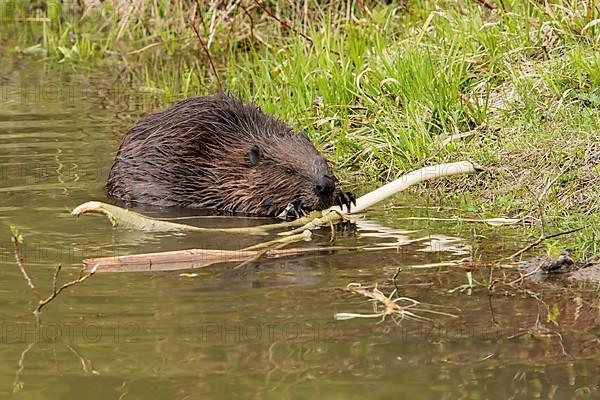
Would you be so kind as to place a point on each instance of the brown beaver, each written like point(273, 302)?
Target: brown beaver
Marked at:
point(218, 153)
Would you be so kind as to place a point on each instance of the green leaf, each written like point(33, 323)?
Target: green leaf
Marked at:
point(552, 250)
point(553, 314)
point(17, 238)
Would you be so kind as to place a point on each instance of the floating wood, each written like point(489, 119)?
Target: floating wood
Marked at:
point(192, 259)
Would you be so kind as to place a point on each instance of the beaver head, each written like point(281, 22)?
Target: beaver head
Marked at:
point(287, 169)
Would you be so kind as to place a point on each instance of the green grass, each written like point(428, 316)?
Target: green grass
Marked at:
point(378, 89)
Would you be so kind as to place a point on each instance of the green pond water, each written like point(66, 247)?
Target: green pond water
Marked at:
point(266, 330)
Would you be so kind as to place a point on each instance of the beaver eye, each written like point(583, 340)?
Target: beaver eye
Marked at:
point(289, 171)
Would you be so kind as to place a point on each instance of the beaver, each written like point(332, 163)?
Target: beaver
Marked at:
point(221, 154)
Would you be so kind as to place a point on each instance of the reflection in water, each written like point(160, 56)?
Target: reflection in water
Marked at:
point(267, 330)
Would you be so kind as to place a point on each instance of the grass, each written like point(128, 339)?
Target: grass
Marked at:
point(379, 86)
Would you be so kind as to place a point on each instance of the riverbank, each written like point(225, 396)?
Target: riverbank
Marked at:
point(380, 88)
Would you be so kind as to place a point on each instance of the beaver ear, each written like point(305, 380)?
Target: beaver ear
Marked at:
point(304, 135)
point(254, 155)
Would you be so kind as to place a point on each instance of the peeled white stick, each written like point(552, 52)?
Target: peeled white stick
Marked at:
point(405, 181)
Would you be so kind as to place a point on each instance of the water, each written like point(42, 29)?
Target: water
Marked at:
point(267, 330)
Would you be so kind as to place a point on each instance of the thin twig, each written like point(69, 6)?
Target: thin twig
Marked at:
point(541, 239)
point(144, 48)
point(539, 202)
point(540, 199)
point(17, 240)
point(201, 15)
point(55, 277)
point(486, 4)
point(258, 256)
point(205, 48)
point(86, 364)
point(56, 292)
point(527, 275)
point(19, 260)
point(18, 384)
point(398, 269)
point(589, 15)
point(251, 24)
point(263, 253)
point(285, 24)
point(390, 306)
point(362, 6)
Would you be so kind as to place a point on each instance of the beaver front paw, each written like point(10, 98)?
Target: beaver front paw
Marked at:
point(345, 199)
point(293, 212)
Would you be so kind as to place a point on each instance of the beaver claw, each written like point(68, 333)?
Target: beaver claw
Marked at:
point(294, 212)
point(345, 199)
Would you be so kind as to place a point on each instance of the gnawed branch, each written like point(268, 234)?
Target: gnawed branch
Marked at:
point(120, 217)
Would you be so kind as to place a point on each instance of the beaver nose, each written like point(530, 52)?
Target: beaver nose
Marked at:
point(325, 186)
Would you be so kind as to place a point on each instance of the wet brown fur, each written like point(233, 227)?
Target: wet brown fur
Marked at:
point(219, 153)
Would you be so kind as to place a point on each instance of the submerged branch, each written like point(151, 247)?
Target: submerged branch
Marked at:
point(17, 240)
point(385, 306)
point(56, 292)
